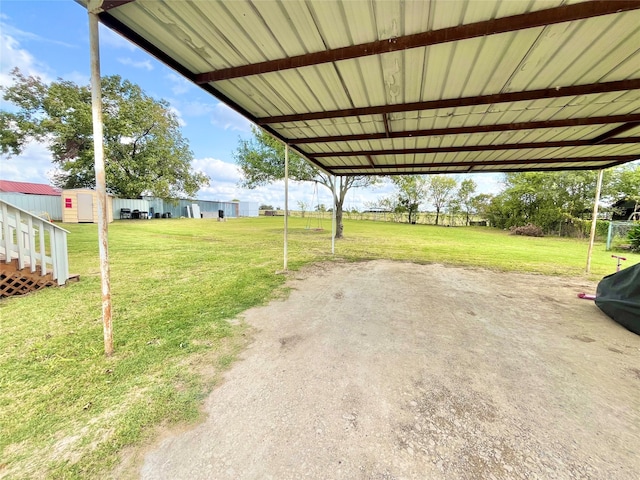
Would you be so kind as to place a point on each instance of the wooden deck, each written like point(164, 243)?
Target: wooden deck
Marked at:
point(14, 281)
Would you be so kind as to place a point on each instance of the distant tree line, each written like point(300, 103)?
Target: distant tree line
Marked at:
point(549, 200)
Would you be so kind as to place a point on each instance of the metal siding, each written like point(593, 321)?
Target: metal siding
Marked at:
point(36, 204)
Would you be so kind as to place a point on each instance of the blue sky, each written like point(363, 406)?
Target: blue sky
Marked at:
point(50, 39)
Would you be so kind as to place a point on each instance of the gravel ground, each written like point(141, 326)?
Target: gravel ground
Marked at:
point(389, 370)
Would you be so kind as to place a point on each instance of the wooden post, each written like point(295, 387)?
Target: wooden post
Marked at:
point(286, 203)
point(594, 220)
point(101, 183)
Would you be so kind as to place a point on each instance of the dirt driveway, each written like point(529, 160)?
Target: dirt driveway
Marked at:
point(385, 370)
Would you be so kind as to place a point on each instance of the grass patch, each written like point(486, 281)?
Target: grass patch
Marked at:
point(66, 411)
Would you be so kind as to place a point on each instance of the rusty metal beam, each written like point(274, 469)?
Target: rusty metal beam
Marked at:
point(371, 162)
point(528, 161)
point(110, 4)
point(436, 171)
point(612, 133)
point(576, 90)
point(569, 122)
point(551, 16)
point(385, 120)
point(480, 148)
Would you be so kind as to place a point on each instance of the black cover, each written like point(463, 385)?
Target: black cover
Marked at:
point(618, 296)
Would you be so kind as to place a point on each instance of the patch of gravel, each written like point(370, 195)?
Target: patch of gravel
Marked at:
point(390, 370)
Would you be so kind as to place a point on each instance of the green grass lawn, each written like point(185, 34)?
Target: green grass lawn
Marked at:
point(66, 411)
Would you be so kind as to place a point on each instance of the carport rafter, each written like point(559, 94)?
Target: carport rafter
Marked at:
point(544, 93)
point(483, 163)
point(550, 16)
point(111, 4)
point(480, 148)
point(506, 127)
point(613, 133)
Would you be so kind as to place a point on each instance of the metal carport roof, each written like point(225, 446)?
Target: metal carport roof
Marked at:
point(372, 87)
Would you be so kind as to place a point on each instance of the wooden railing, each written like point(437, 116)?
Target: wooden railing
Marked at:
point(34, 242)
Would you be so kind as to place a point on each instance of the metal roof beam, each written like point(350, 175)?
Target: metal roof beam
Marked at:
point(569, 122)
point(371, 162)
point(556, 92)
point(109, 4)
point(481, 148)
point(612, 133)
point(550, 16)
point(412, 170)
point(387, 129)
point(528, 161)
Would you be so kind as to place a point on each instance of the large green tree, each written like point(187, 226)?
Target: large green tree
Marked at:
point(261, 161)
point(411, 192)
point(145, 151)
point(441, 189)
point(546, 199)
point(625, 183)
point(465, 196)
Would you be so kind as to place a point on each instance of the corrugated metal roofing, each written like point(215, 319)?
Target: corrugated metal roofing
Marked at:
point(28, 188)
point(392, 87)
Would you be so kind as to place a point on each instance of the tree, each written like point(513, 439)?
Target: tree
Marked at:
point(411, 192)
point(261, 160)
point(480, 204)
point(266, 207)
point(145, 151)
point(625, 183)
point(303, 206)
point(464, 197)
point(441, 188)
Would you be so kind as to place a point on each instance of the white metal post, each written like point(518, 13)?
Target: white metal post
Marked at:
point(333, 218)
point(594, 220)
point(101, 183)
point(286, 203)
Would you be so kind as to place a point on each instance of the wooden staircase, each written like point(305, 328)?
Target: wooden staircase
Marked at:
point(33, 252)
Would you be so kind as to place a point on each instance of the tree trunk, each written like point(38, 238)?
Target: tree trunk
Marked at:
point(437, 215)
point(339, 226)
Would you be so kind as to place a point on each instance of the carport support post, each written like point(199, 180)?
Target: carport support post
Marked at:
point(286, 202)
point(333, 217)
point(594, 220)
point(101, 184)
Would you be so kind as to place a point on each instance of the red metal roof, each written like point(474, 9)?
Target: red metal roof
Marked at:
point(29, 188)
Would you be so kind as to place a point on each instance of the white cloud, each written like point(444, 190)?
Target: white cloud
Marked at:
point(180, 85)
point(12, 56)
point(112, 39)
point(178, 115)
point(143, 64)
point(229, 119)
point(220, 115)
point(487, 182)
point(33, 165)
point(14, 32)
point(218, 170)
point(193, 109)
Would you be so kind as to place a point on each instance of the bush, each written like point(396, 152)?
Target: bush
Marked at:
point(634, 238)
point(529, 230)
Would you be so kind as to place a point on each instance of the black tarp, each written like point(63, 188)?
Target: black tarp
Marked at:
point(618, 295)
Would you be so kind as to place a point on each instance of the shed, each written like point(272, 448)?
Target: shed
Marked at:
point(80, 205)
